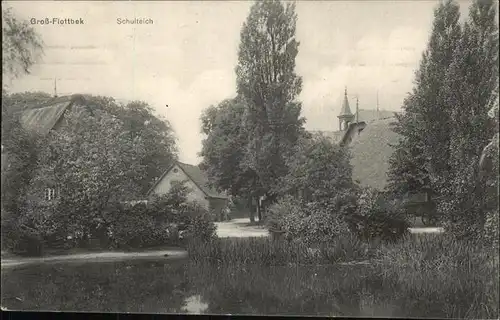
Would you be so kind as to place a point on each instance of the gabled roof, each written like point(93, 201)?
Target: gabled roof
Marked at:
point(371, 152)
point(369, 115)
point(197, 176)
point(44, 117)
point(335, 136)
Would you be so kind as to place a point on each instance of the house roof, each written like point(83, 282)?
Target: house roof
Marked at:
point(371, 153)
point(369, 115)
point(42, 118)
point(335, 136)
point(197, 176)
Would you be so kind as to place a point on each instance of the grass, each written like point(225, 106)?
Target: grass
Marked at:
point(266, 252)
point(424, 275)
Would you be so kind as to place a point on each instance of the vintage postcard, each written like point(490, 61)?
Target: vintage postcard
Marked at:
point(270, 157)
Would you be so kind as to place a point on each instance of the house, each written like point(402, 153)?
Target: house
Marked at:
point(346, 118)
point(40, 120)
point(197, 181)
point(369, 136)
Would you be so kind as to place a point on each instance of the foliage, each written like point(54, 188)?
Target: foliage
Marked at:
point(158, 221)
point(21, 45)
point(446, 277)
point(224, 146)
point(155, 134)
point(94, 159)
point(266, 252)
point(378, 217)
point(419, 163)
point(471, 86)
point(93, 162)
point(277, 213)
point(490, 180)
point(422, 275)
point(255, 131)
point(320, 177)
point(266, 80)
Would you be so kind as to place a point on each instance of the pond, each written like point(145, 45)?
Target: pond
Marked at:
point(179, 286)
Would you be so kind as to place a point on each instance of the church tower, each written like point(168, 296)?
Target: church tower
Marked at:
point(345, 116)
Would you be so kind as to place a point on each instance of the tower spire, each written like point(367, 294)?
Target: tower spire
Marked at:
point(378, 113)
point(55, 87)
point(345, 116)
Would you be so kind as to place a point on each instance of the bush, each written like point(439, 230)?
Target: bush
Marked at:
point(136, 227)
point(30, 230)
point(276, 215)
point(200, 225)
point(378, 217)
point(312, 222)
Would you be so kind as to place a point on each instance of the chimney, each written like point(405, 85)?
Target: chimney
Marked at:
point(55, 87)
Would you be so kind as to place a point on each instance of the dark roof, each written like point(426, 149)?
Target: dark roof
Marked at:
point(369, 115)
point(335, 136)
point(371, 153)
point(42, 118)
point(197, 176)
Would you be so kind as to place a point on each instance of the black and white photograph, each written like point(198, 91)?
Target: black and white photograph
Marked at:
point(332, 158)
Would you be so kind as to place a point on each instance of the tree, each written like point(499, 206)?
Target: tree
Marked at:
point(93, 162)
point(420, 162)
point(156, 134)
point(471, 86)
point(319, 170)
point(224, 148)
point(268, 84)
point(21, 46)
point(318, 196)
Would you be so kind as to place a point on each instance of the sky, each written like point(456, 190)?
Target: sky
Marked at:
point(186, 58)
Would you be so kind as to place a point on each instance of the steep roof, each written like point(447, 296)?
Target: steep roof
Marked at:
point(371, 153)
point(369, 115)
point(197, 176)
point(335, 136)
point(346, 110)
point(42, 118)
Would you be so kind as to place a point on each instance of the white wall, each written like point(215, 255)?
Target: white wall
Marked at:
point(195, 193)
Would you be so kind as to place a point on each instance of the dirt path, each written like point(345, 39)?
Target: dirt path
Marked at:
point(240, 228)
point(96, 257)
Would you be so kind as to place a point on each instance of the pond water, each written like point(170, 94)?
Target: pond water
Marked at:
point(144, 286)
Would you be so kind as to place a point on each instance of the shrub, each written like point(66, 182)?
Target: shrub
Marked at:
point(378, 217)
point(286, 206)
point(30, 230)
point(136, 227)
point(200, 224)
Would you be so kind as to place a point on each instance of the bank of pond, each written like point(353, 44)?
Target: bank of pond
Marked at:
point(426, 276)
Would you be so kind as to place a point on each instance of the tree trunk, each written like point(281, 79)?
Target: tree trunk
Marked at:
point(259, 212)
point(250, 209)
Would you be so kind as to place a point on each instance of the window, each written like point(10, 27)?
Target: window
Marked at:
point(176, 170)
point(50, 194)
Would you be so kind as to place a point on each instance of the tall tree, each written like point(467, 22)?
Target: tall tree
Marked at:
point(267, 81)
point(472, 85)
point(21, 46)
point(420, 163)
